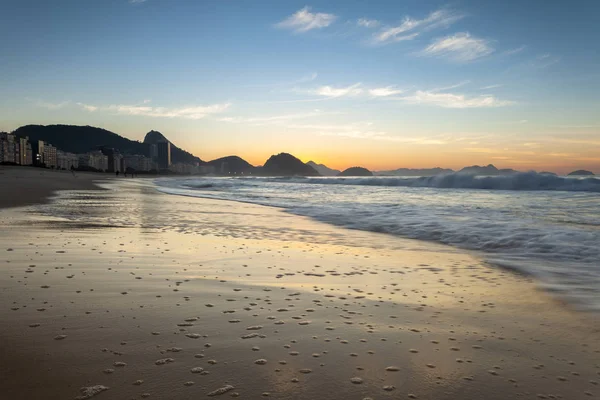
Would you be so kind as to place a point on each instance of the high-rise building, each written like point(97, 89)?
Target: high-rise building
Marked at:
point(164, 155)
point(94, 160)
point(153, 152)
point(8, 148)
point(137, 163)
point(66, 160)
point(25, 152)
point(114, 159)
point(50, 156)
point(38, 152)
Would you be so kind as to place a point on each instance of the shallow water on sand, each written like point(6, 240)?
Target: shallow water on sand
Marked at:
point(167, 297)
point(545, 226)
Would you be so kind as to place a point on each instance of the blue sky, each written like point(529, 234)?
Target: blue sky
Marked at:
point(381, 83)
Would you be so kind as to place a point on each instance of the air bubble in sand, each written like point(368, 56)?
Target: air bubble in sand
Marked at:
point(260, 361)
point(356, 380)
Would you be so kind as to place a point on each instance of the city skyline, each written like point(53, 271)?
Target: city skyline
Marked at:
point(383, 85)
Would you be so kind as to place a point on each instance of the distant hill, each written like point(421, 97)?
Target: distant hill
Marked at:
point(356, 171)
point(581, 172)
point(177, 155)
point(80, 139)
point(415, 172)
point(232, 165)
point(284, 164)
point(323, 169)
point(487, 170)
point(547, 173)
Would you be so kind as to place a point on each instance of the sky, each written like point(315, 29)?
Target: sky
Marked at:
point(380, 84)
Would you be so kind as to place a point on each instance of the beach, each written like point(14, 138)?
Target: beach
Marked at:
point(114, 290)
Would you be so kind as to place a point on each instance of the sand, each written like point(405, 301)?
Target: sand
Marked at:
point(20, 186)
point(167, 297)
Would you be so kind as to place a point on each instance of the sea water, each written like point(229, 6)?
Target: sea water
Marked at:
point(543, 225)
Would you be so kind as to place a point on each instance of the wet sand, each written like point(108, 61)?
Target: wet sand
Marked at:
point(134, 294)
point(28, 185)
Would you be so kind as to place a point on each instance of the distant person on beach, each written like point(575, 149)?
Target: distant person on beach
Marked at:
point(117, 173)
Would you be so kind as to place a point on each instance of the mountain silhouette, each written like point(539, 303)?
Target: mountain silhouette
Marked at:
point(581, 172)
point(356, 171)
point(232, 165)
point(177, 155)
point(79, 139)
point(415, 172)
point(284, 164)
point(323, 169)
point(488, 170)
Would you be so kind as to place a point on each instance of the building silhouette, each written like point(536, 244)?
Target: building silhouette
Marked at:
point(164, 155)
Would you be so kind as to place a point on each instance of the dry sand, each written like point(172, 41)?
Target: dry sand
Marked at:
point(127, 293)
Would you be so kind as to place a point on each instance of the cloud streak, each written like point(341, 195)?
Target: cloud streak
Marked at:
point(275, 119)
point(516, 50)
point(385, 91)
point(49, 105)
point(303, 21)
point(367, 23)
point(363, 130)
point(410, 27)
point(460, 47)
point(450, 100)
point(189, 112)
point(335, 92)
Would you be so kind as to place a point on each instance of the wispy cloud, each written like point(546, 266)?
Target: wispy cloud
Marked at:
point(491, 87)
point(385, 91)
point(304, 79)
point(303, 20)
point(367, 23)
point(516, 50)
point(137, 1)
point(48, 105)
point(335, 92)
point(450, 100)
point(460, 47)
point(410, 27)
point(544, 60)
point(276, 119)
point(363, 130)
point(88, 107)
point(190, 112)
point(454, 86)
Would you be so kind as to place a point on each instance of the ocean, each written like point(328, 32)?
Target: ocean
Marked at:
point(541, 225)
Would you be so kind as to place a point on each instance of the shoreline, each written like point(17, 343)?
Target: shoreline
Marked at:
point(132, 276)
